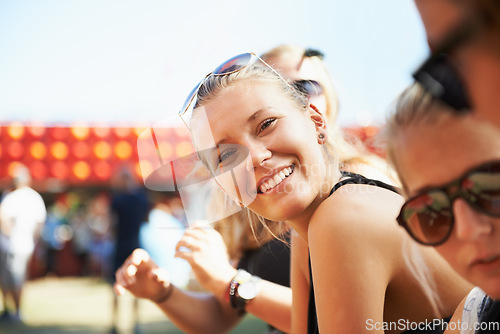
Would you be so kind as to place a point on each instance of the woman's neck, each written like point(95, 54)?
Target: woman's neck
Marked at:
point(300, 223)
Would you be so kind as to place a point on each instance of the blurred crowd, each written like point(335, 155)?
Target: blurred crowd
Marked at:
point(79, 234)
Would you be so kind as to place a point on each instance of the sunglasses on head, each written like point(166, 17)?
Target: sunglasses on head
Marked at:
point(230, 66)
point(438, 75)
point(428, 216)
point(309, 88)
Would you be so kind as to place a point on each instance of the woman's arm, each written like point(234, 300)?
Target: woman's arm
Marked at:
point(353, 247)
point(190, 311)
point(457, 317)
point(300, 283)
point(205, 251)
point(468, 313)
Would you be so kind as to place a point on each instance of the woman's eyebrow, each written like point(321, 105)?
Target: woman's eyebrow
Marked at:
point(257, 113)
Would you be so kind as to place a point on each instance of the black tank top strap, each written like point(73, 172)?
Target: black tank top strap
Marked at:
point(347, 178)
point(353, 178)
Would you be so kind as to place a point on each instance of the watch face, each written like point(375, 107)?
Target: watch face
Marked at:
point(248, 290)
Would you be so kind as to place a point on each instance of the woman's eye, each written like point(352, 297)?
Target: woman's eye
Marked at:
point(266, 124)
point(224, 156)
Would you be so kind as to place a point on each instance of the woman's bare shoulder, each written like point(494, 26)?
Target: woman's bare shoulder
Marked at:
point(359, 204)
point(360, 218)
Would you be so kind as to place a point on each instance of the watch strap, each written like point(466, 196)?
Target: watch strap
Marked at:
point(236, 301)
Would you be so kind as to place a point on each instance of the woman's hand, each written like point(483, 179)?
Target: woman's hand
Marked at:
point(142, 277)
point(206, 252)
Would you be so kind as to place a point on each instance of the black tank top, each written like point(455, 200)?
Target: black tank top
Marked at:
point(312, 323)
point(312, 319)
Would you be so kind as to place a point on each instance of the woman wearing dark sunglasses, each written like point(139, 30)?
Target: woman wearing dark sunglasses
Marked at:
point(267, 147)
point(449, 165)
point(464, 37)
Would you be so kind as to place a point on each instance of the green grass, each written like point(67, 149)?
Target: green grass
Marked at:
point(84, 305)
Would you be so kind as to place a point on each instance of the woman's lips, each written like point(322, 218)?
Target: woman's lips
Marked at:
point(488, 262)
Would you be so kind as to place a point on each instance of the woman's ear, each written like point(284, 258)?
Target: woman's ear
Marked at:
point(319, 122)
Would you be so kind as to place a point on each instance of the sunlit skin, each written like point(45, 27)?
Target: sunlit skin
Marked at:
point(477, 61)
point(435, 153)
point(278, 135)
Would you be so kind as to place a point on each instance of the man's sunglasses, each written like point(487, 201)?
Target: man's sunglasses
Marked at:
point(230, 66)
point(428, 216)
point(438, 75)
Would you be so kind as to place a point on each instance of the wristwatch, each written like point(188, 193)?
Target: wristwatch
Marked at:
point(243, 288)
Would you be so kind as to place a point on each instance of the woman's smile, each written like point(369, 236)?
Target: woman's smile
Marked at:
point(275, 180)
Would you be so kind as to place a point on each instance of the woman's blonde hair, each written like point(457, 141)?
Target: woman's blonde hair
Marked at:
point(414, 106)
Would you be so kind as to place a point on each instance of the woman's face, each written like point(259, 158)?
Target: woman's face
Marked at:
point(285, 167)
point(293, 68)
point(432, 155)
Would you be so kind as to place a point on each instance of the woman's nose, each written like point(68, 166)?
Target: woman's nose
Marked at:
point(259, 153)
point(470, 224)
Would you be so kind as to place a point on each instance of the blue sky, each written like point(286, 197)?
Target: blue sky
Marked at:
point(110, 61)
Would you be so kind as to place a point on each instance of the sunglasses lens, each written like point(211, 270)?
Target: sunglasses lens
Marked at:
point(308, 87)
point(428, 218)
point(441, 80)
point(233, 65)
point(484, 190)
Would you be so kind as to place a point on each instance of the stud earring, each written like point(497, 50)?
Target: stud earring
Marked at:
point(321, 136)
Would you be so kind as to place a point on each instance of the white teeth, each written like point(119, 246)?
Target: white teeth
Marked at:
point(276, 179)
point(272, 183)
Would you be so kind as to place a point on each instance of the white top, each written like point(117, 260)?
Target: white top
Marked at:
point(473, 308)
point(23, 209)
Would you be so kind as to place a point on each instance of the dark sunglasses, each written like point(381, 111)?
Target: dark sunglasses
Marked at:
point(313, 53)
point(438, 75)
point(309, 88)
point(428, 216)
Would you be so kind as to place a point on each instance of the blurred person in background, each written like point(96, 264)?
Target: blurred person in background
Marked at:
point(215, 258)
point(463, 69)
point(129, 208)
point(82, 239)
point(57, 216)
point(22, 214)
point(101, 249)
point(160, 234)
